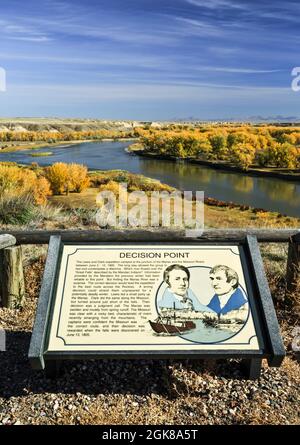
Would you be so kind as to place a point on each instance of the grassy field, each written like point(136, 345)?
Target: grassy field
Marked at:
point(215, 217)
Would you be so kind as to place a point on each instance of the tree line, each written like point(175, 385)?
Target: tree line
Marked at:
point(58, 136)
point(243, 146)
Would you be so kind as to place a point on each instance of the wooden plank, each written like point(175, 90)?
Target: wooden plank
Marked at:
point(102, 235)
point(7, 240)
point(37, 343)
point(293, 265)
point(272, 331)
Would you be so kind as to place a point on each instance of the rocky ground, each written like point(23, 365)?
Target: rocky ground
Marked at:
point(143, 392)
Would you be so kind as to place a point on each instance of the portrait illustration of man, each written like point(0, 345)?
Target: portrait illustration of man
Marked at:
point(228, 295)
point(178, 295)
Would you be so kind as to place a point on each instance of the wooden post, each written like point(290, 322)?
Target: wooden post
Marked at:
point(12, 286)
point(293, 265)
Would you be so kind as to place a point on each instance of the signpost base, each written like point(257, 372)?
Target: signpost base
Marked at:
point(252, 368)
point(52, 368)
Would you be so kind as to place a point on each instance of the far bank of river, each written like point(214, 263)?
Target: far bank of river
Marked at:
point(286, 174)
point(36, 145)
point(278, 195)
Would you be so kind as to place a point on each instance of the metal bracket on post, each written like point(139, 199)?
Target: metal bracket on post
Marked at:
point(37, 344)
point(277, 351)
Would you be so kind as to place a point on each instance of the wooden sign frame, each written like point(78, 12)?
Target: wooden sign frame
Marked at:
point(262, 309)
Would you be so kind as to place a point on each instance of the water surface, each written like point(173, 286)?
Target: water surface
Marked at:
point(268, 193)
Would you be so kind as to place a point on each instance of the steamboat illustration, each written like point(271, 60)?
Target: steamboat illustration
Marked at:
point(171, 325)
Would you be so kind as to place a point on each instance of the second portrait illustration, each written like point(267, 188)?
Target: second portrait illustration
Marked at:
point(201, 304)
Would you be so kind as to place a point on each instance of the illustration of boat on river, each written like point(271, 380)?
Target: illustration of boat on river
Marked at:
point(170, 325)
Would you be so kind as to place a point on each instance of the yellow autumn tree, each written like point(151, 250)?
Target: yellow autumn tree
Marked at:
point(17, 181)
point(78, 177)
point(58, 176)
point(243, 155)
point(65, 178)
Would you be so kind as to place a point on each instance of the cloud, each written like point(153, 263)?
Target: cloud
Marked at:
point(283, 11)
point(179, 67)
point(114, 59)
point(32, 39)
point(216, 4)
point(238, 70)
point(112, 28)
point(161, 29)
point(282, 15)
point(60, 6)
point(189, 91)
point(19, 31)
point(199, 27)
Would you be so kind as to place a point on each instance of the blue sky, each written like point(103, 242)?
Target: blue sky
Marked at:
point(149, 59)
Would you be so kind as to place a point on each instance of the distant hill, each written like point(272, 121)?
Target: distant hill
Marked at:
point(279, 119)
point(20, 124)
point(65, 125)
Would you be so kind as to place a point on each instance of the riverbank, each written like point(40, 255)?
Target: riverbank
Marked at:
point(217, 213)
point(77, 210)
point(260, 193)
point(34, 146)
point(271, 172)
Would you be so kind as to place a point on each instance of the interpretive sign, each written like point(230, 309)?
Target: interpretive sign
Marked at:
point(155, 300)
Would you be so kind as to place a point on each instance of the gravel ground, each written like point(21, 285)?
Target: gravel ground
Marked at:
point(143, 392)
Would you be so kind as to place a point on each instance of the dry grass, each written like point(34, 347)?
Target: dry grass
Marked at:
point(224, 217)
point(215, 217)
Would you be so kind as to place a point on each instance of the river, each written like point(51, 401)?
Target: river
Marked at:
point(272, 194)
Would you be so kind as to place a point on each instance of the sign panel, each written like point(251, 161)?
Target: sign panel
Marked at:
point(152, 298)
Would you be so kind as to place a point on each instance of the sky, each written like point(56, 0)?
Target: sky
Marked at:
point(149, 59)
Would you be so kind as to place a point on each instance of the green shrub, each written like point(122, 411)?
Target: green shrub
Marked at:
point(17, 209)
